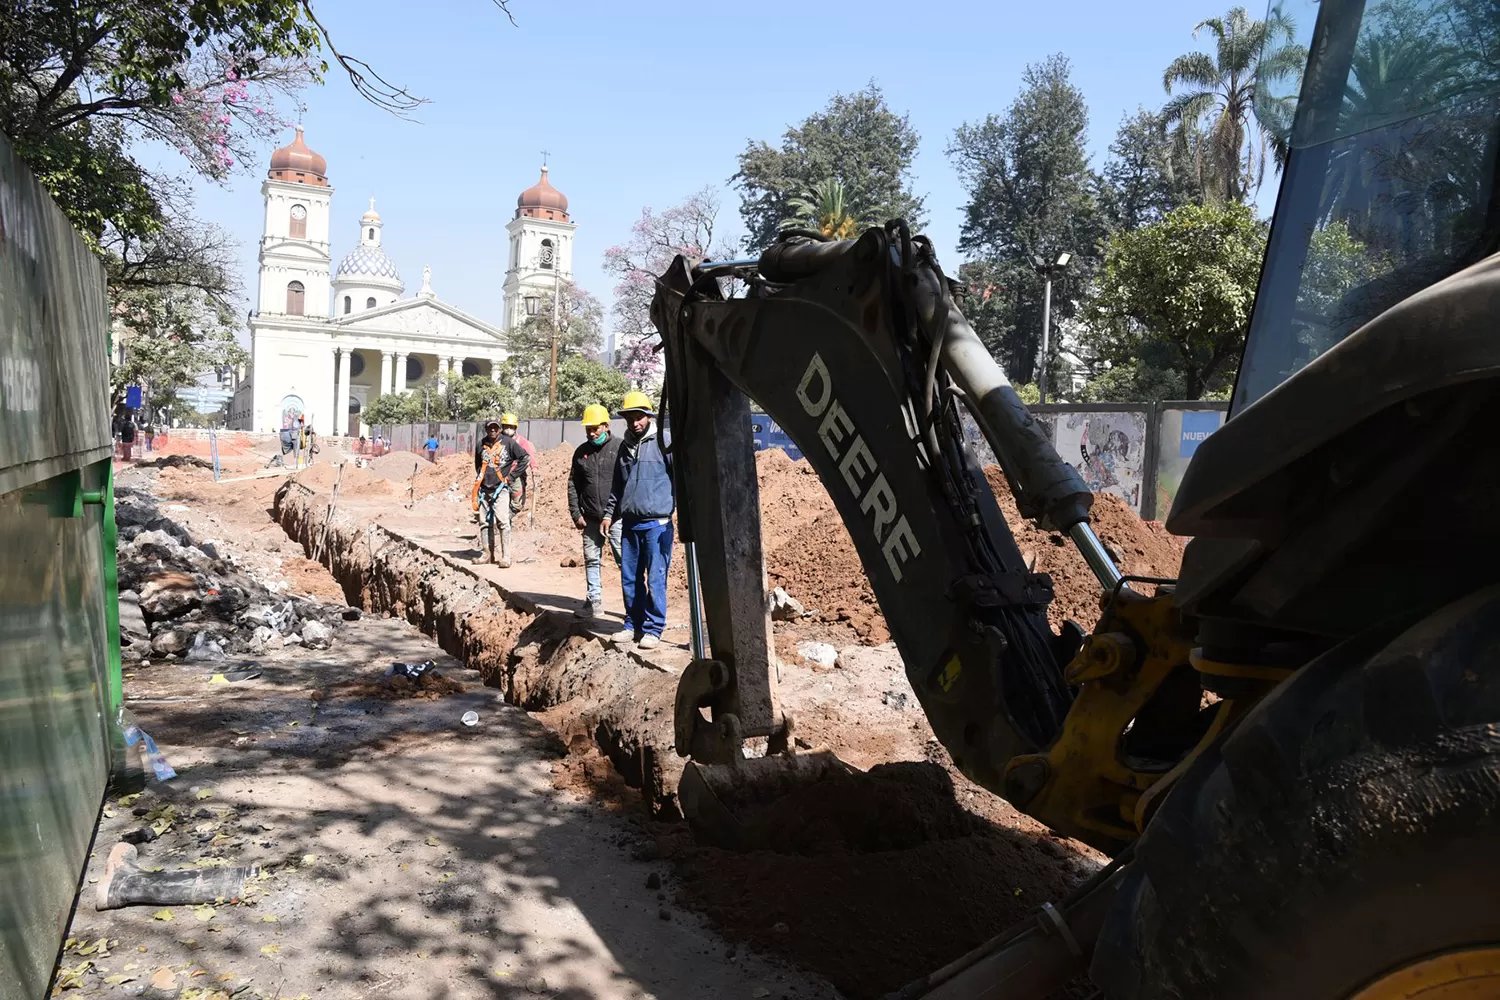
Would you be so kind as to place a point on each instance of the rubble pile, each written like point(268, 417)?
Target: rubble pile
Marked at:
point(197, 604)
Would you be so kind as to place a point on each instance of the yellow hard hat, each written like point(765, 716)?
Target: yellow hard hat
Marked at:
point(639, 402)
point(508, 420)
point(594, 414)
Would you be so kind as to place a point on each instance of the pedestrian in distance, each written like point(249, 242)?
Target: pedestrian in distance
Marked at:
point(590, 479)
point(497, 461)
point(431, 447)
point(641, 499)
point(127, 437)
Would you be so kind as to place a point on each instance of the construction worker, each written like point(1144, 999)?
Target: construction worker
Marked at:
point(508, 427)
point(590, 478)
point(641, 498)
point(497, 461)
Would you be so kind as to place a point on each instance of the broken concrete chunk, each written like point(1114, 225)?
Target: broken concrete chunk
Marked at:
point(316, 635)
point(172, 641)
point(819, 654)
point(785, 607)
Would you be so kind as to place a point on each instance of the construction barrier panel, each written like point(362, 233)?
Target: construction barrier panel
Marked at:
point(59, 611)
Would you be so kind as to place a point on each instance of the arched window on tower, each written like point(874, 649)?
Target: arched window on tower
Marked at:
point(547, 254)
point(298, 228)
point(294, 298)
point(372, 236)
point(348, 304)
point(370, 302)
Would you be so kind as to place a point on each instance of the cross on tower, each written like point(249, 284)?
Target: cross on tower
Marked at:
point(545, 154)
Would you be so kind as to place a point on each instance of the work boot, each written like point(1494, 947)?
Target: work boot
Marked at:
point(626, 634)
point(504, 561)
point(650, 641)
point(587, 611)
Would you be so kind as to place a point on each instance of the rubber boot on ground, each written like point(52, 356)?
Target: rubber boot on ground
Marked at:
point(504, 561)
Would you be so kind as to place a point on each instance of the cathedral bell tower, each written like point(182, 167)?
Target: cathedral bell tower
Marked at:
point(541, 249)
point(294, 250)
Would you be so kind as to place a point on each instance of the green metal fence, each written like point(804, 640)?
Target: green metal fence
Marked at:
point(59, 628)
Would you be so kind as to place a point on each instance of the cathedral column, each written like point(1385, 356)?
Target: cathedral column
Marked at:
point(400, 371)
point(495, 364)
point(341, 399)
point(445, 366)
point(385, 374)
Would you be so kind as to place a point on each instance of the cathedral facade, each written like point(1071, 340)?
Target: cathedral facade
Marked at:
point(327, 343)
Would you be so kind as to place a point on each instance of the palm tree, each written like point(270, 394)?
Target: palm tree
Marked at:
point(824, 208)
point(1217, 110)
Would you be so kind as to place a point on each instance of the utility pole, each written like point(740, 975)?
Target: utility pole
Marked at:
point(556, 319)
point(1046, 270)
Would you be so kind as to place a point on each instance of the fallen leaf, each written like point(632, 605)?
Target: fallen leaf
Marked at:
point(270, 949)
point(155, 868)
point(205, 913)
point(269, 918)
point(204, 793)
point(432, 841)
point(126, 801)
point(309, 859)
point(218, 679)
point(109, 812)
point(132, 965)
point(119, 980)
point(163, 914)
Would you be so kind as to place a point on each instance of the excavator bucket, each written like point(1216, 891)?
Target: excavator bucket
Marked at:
point(724, 803)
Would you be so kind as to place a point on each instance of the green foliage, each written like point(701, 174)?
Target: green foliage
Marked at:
point(393, 408)
point(478, 396)
point(856, 140)
point(1175, 296)
point(824, 209)
point(582, 381)
point(1031, 192)
point(1213, 109)
point(1147, 175)
point(171, 337)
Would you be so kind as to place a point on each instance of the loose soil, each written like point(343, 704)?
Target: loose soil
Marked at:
point(861, 871)
point(431, 685)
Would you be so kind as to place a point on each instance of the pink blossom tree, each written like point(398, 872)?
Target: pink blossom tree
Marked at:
point(689, 228)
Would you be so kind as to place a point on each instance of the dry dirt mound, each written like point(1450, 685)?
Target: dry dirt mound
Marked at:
point(431, 686)
point(398, 465)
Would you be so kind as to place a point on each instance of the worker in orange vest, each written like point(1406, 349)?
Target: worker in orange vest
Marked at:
point(497, 462)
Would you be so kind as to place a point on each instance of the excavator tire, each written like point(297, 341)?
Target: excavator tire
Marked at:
point(1346, 831)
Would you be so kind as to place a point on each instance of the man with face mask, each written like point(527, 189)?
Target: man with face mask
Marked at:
point(641, 499)
point(589, 480)
point(497, 462)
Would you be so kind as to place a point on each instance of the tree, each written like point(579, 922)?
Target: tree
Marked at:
point(1031, 193)
point(825, 210)
point(583, 381)
point(581, 333)
point(172, 336)
point(1147, 175)
point(856, 140)
point(477, 396)
point(393, 408)
point(689, 229)
point(1178, 293)
point(87, 86)
point(1219, 99)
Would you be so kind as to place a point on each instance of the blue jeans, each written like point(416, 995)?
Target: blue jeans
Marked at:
point(593, 556)
point(646, 552)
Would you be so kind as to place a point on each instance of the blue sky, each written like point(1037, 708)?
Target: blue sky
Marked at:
point(640, 104)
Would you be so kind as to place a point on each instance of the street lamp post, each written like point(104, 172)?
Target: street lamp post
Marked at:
point(1046, 270)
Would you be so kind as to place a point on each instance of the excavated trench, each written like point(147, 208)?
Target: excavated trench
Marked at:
point(893, 841)
point(538, 659)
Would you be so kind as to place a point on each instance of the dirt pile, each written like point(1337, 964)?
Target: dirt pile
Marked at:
point(430, 686)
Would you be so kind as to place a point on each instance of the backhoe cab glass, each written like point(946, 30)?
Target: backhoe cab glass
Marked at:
point(1389, 185)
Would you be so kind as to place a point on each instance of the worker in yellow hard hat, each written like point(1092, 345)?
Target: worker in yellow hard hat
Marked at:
point(590, 476)
point(510, 426)
point(642, 501)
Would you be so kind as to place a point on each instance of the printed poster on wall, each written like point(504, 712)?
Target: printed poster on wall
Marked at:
point(1108, 449)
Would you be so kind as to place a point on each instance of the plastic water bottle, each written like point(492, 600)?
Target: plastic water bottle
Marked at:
point(135, 734)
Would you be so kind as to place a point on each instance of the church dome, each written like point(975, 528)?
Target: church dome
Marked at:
point(298, 164)
point(543, 201)
point(365, 263)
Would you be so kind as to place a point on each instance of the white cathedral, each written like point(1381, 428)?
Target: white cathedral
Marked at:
point(327, 347)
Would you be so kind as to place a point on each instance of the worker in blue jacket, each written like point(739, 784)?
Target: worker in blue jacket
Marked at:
point(641, 500)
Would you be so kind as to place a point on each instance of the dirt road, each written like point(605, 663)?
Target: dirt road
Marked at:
point(402, 853)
